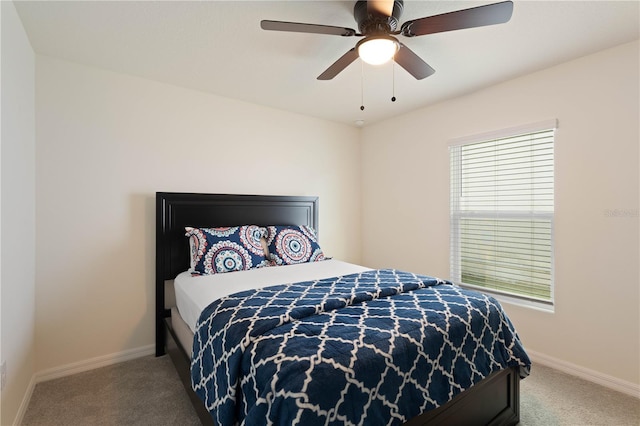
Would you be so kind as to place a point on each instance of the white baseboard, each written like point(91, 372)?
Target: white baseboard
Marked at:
point(93, 363)
point(25, 401)
point(605, 380)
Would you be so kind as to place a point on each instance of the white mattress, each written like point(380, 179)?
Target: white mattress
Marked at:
point(193, 294)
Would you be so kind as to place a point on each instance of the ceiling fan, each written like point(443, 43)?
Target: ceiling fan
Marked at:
point(378, 22)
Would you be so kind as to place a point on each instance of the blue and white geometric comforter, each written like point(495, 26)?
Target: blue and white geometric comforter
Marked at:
point(377, 347)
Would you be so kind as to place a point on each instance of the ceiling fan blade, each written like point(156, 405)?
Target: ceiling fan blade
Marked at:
point(344, 61)
point(306, 28)
point(411, 62)
point(382, 7)
point(490, 14)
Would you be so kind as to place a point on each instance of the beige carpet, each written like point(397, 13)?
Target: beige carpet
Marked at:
point(549, 397)
point(144, 391)
point(147, 391)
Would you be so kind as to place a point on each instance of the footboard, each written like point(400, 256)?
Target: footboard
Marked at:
point(493, 401)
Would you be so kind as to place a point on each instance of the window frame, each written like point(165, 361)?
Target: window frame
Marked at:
point(455, 252)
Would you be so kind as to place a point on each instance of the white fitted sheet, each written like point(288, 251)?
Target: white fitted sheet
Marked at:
point(194, 293)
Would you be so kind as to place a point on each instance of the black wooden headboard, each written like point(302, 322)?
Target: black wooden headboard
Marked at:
point(175, 210)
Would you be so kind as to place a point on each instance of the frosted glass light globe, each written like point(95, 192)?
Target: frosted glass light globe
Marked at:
point(377, 50)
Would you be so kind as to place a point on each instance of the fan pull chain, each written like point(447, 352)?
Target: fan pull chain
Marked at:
point(393, 80)
point(361, 86)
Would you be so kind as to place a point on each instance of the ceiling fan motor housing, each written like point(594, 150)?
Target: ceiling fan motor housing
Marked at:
point(371, 22)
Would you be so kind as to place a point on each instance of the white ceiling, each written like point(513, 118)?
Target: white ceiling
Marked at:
point(218, 47)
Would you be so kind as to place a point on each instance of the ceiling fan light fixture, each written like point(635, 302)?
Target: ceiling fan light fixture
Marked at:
point(377, 50)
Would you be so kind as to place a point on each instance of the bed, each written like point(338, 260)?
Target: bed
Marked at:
point(493, 400)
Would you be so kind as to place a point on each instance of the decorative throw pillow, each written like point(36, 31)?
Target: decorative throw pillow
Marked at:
point(288, 245)
point(219, 250)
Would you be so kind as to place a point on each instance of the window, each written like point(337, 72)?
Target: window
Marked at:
point(502, 206)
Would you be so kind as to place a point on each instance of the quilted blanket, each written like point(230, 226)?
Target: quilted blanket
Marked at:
point(377, 347)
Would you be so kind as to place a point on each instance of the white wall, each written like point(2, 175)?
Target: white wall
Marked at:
point(17, 258)
point(106, 142)
point(406, 200)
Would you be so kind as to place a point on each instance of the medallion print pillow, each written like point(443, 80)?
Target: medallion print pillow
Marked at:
point(228, 249)
point(288, 245)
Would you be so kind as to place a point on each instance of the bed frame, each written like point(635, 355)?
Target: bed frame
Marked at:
point(494, 401)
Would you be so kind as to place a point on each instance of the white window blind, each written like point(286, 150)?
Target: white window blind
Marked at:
point(502, 203)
